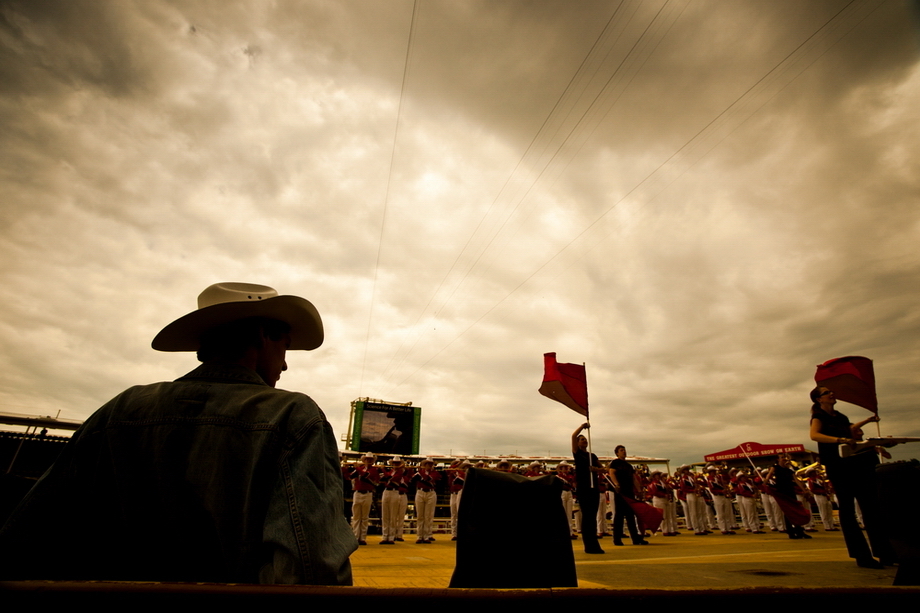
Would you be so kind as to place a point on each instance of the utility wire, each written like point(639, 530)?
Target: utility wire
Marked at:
point(386, 197)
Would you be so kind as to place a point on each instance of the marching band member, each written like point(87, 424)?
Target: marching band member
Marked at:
point(534, 470)
point(770, 508)
point(746, 491)
point(394, 503)
point(819, 487)
point(457, 479)
point(663, 498)
point(694, 514)
point(426, 498)
point(365, 478)
point(565, 474)
point(718, 487)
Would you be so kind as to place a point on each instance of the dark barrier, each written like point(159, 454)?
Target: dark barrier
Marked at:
point(512, 533)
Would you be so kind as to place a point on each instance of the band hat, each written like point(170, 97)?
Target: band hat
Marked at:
point(223, 303)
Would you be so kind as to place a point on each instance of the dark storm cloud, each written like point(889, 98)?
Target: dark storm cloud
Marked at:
point(151, 149)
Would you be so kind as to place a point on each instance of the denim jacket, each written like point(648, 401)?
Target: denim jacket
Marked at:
point(215, 477)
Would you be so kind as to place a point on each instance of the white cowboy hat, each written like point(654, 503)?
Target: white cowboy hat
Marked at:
point(223, 303)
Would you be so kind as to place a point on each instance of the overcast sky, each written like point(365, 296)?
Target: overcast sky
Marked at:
point(699, 200)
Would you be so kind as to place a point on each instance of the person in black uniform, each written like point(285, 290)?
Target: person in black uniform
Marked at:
point(623, 476)
point(785, 481)
point(830, 429)
point(587, 467)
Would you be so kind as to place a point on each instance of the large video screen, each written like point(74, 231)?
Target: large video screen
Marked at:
point(386, 428)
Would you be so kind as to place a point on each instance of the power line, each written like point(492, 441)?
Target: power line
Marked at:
point(778, 69)
point(386, 197)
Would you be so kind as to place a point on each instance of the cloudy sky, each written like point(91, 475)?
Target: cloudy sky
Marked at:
point(699, 200)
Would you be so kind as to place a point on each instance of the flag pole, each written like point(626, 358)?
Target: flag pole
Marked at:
point(749, 459)
point(588, 421)
point(594, 481)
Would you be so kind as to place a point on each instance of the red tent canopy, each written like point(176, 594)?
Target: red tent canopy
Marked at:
point(752, 450)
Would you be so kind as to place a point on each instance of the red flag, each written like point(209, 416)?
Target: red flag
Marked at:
point(792, 508)
point(565, 383)
point(852, 379)
point(649, 517)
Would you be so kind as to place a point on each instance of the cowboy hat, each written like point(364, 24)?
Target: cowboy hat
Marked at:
point(223, 303)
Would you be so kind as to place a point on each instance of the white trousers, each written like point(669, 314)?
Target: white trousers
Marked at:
point(403, 509)
point(393, 512)
point(568, 503)
point(773, 512)
point(424, 513)
point(360, 513)
point(826, 510)
point(811, 518)
point(748, 508)
point(688, 513)
point(669, 510)
point(695, 510)
point(602, 514)
point(724, 514)
point(454, 509)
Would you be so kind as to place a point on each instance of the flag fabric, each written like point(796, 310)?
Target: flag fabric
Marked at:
point(565, 383)
point(792, 508)
point(852, 379)
point(649, 517)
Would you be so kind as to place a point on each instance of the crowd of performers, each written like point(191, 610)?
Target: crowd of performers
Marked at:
point(394, 483)
point(713, 498)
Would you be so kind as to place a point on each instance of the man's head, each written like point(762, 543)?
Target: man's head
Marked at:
point(224, 304)
point(246, 324)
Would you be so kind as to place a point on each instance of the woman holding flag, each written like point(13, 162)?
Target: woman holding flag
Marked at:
point(830, 429)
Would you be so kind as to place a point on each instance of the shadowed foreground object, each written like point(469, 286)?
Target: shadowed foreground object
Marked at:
point(899, 494)
point(512, 533)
